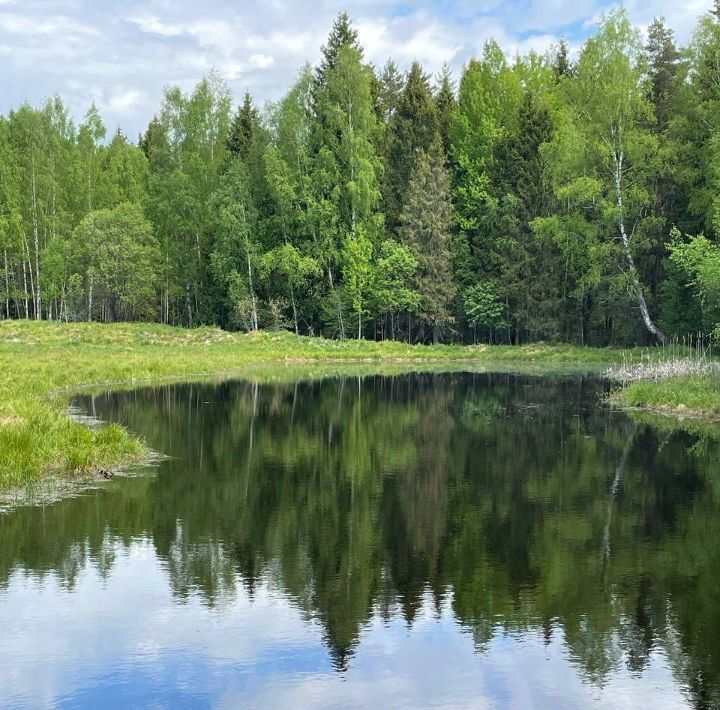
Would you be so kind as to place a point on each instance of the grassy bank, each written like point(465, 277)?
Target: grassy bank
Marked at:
point(697, 396)
point(43, 364)
point(679, 382)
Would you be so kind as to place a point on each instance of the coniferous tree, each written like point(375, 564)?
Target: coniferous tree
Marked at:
point(413, 129)
point(425, 227)
point(445, 104)
point(663, 66)
point(526, 268)
point(342, 35)
point(346, 169)
point(544, 244)
point(245, 127)
point(561, 64)
point(392, 83)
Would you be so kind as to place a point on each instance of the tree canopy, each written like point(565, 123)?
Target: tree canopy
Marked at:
point(565, 196)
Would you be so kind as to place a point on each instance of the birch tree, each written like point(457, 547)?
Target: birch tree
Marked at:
point(605, 155)
point(235, 250)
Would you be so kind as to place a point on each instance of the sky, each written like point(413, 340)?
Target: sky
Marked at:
point(121, 55)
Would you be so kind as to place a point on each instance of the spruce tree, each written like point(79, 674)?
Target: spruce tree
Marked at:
point(425, 227)
point(244, 128)
point(413, 129)
point(342, 34)
point(664, 61)
point(392, 83)
point(561, 64)
point(526, 268)
point(445, 104)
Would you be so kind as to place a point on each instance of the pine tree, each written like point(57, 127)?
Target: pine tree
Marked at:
point(245, 127)
point(412, 130)
point(425, 227)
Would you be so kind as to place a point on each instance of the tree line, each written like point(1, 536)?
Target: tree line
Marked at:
point(547, 197)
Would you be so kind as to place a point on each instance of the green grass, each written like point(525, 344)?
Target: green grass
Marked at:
point(43, 364)
point(690, 395)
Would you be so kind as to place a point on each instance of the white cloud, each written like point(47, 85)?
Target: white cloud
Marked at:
point(126, 54)
point(261, 61)
point(122, 102)
point(125, 633)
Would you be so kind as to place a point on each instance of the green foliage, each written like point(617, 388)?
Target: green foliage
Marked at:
point(425, 225)
point(357, 273)
point(483, 307)
point(234, 253)
point(555, 180)
point(244, 129)
point(699, 260)
point(394, 274)
point(411, 130)
point(119, 256)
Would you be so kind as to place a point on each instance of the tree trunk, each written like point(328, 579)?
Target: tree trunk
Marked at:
point(649, 324)
point(188, 303)
point(7, 286)
point(32, 279)
point(294, 307)
point(25, 291)
point(253, 315)
point(90, 298)
point(36, 237)
point(340, 317)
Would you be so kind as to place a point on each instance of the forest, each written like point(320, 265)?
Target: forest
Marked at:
point(567, 197)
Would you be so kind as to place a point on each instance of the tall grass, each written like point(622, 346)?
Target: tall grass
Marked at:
point(683, 378)
point(689, 356)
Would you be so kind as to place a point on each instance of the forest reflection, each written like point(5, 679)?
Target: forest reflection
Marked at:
point(517, 500)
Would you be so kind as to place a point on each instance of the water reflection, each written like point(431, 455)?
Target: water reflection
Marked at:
point(452, 538)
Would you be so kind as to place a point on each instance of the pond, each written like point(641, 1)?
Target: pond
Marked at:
point(457, 539)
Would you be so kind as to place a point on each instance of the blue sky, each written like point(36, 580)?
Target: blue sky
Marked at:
point(122, 54)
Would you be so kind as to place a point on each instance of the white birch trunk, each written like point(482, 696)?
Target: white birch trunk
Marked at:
point(90, 297)
point(36, 237)
point(7, 286)
point(640, 297)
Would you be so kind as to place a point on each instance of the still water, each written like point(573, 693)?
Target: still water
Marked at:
point(458, 540)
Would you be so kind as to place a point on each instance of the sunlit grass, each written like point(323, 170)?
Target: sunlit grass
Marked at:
point(693, 395)
point(42, 364)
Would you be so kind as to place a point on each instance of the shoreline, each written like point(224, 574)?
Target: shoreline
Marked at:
point(42, 365)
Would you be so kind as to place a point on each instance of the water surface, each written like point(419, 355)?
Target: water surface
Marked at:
point(456, 540)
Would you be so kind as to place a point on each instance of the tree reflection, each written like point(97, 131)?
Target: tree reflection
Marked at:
point(519, 500)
